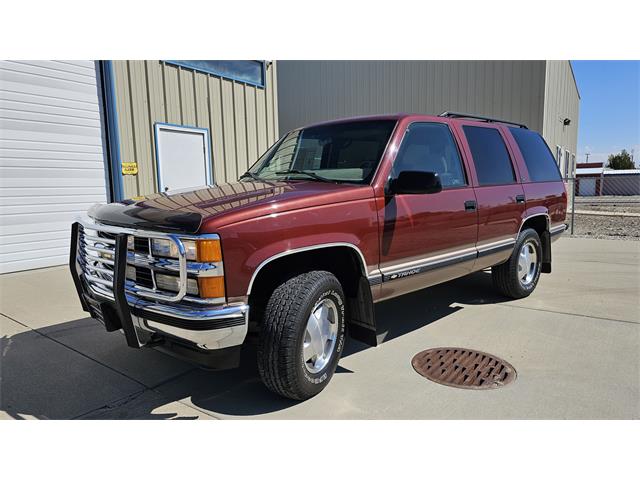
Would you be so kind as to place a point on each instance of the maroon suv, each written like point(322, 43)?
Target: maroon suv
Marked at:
point(331, 219)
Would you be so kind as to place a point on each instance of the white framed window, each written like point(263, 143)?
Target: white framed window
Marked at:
point(558, 155)
point(567, 163)
point(183, 157)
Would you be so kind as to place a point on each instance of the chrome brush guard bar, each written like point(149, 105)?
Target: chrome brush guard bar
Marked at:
point(98, 260)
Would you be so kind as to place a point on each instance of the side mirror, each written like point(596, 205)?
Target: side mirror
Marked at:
point(415, 182)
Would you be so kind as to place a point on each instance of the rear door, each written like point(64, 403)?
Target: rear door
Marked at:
point(498, 190)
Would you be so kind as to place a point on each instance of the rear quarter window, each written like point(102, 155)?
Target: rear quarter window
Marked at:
point(537, 156)
point(490, 156)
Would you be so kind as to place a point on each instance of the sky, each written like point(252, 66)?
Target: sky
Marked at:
point(609, 108)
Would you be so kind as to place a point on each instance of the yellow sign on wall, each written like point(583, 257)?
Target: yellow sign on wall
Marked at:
point(129, 168)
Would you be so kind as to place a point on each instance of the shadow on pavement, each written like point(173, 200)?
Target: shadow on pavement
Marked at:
point(43, 379)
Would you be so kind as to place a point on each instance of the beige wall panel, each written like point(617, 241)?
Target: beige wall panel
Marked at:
point(217, 130)
point(202, 101)
point(323, 90)
point(228, 129)
point(272, 82)
point(172, 94)
point(155, 85)
point(261, 121)
point(187, 99)
point(250, 115)
point(142, 135)
point(240, 127)
point(272, 133)
point(561, 101)
point(123, 103)
point(241, 119)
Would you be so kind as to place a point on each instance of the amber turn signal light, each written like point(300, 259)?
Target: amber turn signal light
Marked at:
point(211, 287)
point(208, 251)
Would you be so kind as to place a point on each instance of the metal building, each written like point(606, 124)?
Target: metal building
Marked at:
point(76, 133)
point(163, 107)
point(80, 132)
point(540, 94)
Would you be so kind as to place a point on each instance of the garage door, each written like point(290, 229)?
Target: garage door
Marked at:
point(51, 158)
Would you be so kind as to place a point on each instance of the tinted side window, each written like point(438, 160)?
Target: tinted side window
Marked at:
point(537, 156)
point(490, 156)
point(429, 147)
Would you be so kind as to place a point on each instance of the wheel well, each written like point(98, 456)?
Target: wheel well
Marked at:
point(540, 224)
point(344, 262)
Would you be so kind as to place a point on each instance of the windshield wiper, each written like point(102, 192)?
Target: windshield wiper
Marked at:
point(251, 175)
point(256, 177)
point(305, 172)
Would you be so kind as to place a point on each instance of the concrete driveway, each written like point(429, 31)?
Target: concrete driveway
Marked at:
point(575, 344)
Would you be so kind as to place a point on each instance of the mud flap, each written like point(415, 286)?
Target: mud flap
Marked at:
point(361, 324)
point(545, 238)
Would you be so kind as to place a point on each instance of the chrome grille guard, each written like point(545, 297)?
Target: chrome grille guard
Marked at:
point(96, 246)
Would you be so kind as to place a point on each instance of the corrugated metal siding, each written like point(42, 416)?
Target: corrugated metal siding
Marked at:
point(312, 91)
point(51, 158)
point(561, 101)
point(242, 119)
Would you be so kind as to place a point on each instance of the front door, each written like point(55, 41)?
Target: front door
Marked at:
point(428, 238)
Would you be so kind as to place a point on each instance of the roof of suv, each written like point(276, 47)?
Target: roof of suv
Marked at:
point(417, 116)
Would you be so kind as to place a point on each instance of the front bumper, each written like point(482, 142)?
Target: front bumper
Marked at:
point(118, 304)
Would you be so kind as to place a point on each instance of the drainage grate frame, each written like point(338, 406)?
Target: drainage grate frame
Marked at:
point(463, 368)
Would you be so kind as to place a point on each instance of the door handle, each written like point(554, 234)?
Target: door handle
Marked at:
point(519, 198)
point(470, 205)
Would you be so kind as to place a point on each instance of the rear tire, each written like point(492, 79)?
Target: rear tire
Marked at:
point(302, 335)
point(518, 276)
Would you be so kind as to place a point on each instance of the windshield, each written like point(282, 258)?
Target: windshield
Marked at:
point(344, 152)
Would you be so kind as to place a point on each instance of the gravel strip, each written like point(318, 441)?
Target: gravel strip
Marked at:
point(599, 226)
point(607, 227)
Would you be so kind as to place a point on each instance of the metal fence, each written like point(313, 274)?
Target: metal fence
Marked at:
point(604, 206)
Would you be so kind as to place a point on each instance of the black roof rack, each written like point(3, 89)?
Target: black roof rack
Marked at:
point(478, 117)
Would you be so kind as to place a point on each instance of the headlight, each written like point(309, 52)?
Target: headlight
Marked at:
point(167, 282)
point(170, 282)
point(167, 248)
point(200, 251)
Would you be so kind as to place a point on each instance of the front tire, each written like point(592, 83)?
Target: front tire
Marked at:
point(302, 335)
point(518, 276)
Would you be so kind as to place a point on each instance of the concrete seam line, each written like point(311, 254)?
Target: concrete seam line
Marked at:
point(76, 351)
point(571, 314)
point(114, 404)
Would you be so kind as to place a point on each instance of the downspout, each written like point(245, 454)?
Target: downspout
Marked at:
point(113, 136)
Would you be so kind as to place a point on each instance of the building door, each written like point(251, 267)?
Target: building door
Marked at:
point(51, 158)
point(183, 158)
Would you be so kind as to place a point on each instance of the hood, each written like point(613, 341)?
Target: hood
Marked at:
point(206, 209)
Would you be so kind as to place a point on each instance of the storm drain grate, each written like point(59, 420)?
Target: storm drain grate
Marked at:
point(463, 368)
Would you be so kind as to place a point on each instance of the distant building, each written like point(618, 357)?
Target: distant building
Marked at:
point(594, 179)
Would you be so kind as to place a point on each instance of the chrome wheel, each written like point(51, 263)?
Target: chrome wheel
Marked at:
point(320, 335)
point(527, 264)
